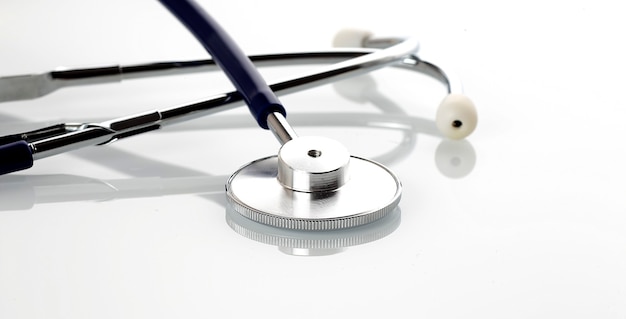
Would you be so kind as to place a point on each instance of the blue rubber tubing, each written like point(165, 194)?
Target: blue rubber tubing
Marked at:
point(15, 156)
point(260, 99)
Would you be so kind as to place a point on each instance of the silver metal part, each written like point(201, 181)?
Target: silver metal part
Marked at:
point(255, 192)
point(281, 128)
point(85, 134)
point(348, 63)
point(313, 243)
point(313, 164)
point(351, 62)
point(103, 133)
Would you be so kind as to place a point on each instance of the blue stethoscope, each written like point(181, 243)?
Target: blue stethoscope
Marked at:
point(313, 183)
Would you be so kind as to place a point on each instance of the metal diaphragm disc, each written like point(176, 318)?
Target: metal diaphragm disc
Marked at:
point(371, 193)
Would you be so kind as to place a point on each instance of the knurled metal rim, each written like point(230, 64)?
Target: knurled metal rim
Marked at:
point(313, 240)
point(315, 224)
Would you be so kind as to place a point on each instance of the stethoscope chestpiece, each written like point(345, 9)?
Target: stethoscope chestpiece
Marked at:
point(313, 184)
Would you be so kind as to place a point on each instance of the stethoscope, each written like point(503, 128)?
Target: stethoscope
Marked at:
point(312, 184)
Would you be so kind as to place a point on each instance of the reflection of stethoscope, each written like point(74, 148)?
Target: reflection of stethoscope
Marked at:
point(313, 183)
point(302, 243)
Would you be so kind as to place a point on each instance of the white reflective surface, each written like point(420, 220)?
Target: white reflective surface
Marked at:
point(525, 219)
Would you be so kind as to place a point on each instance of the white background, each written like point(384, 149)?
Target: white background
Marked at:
point(534, 230)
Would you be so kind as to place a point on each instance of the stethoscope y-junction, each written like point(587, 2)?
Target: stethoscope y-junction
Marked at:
point(313, 183)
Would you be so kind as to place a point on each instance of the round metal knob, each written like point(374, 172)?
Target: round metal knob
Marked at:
point(313, 164)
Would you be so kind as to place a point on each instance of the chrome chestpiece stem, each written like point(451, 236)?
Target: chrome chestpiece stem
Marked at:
point(308, 164)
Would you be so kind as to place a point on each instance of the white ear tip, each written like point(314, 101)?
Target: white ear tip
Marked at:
point(351, 38)
point(456, 117)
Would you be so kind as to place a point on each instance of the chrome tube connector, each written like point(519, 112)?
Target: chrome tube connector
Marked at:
point(280, 127)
